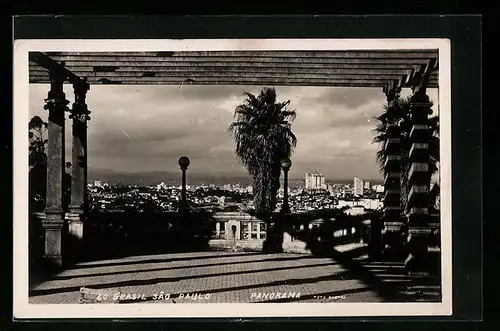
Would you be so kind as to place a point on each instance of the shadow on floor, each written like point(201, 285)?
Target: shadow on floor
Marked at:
point(317, 229)
point(124, 236)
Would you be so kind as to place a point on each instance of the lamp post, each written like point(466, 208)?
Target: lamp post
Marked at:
point(183, 163)
point(285, 164)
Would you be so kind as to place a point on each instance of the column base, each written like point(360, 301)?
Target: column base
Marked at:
point(52, 225)
point(52, 263)
point(418, 249)
point(272, 246)
point(73, 244)
point(274, 240)
point(75, 223)
point(375, 243)
point(393, 242)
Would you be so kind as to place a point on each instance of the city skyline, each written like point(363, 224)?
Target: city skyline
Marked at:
point(154, 178)
point(153, 126)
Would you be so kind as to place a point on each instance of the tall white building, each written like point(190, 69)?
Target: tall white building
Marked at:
point(315, 180)
point(358, 187)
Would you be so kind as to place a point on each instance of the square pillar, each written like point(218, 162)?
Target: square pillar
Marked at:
point(393, 222)
point(56, 104)
point(80, 116)
point(419, 177)
point(392, 239)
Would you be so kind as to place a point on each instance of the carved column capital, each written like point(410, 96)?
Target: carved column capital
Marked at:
point(80, 110)
point(393, 94)
point(56, 102)
point(82, 88)
point(80, 113)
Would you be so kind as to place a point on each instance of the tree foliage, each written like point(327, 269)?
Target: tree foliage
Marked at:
point(263, 137)
point(399, 115)
point(37, 130)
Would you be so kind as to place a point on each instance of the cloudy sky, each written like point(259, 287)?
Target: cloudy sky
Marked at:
point(147, 128)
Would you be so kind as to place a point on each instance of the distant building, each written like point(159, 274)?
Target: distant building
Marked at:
point(367, 185)
point(315, 180)
point(365, 204)
point(161, 186)
point(378, 188)
point(346, 203)
point(355, 210)
point(358, 187)
point(372, 204)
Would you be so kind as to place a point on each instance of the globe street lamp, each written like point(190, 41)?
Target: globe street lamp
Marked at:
point(285, 164)
point(183, 163)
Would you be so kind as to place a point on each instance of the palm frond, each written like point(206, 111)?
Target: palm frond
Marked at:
point(263, 136)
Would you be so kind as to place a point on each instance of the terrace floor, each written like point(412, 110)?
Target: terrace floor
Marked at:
point(230, 277)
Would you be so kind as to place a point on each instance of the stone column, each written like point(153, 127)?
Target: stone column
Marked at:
point(56, 104)
point(79, 115)
point(392, 217)
point(418, 179)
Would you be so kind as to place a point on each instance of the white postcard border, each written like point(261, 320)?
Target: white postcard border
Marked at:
point(21, 307)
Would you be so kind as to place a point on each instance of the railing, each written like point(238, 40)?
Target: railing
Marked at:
point(110, 234)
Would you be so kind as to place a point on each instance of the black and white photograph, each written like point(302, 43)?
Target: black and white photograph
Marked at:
point(232, 178)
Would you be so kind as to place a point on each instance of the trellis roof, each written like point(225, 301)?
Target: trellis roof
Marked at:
point(365, 68)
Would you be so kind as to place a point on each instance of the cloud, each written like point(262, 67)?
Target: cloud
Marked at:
point(147, 128)
point(348, 97)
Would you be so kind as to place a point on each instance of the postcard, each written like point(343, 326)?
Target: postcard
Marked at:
point(232, 178)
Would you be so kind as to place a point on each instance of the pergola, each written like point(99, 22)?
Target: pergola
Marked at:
point(390, 70)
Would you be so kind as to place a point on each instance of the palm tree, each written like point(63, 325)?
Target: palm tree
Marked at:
point(263, 137)
point(399, 115)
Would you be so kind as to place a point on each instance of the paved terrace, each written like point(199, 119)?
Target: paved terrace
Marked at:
point(219, 277)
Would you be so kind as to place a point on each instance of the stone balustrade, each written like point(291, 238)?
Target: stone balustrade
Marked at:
point(108, 234)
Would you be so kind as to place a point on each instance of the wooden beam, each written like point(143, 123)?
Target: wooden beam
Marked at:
point(46, 62)
point(382, 54)
point(229, 75)
point(429, 68)
point(238, 52)
point(219, 80)
point(392, 85)
point(412, 74)
point(248, 61)
point(385, 89)
point(404, 80)
point(237, 75)
point(436, 65)
point(167, 66)
point(229, 81)
point(112, 71)
point(236, 83)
